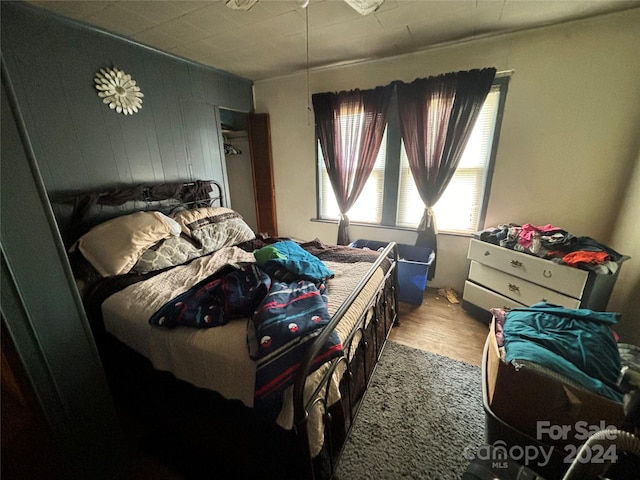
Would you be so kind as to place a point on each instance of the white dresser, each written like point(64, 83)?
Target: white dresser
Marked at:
point(504, 278)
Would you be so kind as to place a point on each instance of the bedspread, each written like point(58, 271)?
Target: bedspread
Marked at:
point(214, 358)
point(218, 358)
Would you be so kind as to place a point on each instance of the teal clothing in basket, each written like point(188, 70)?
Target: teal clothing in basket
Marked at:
point(577, 343)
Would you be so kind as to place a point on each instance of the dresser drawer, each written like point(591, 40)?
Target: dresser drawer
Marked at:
point(486, 299)
point(561, 278)
point(517, 288)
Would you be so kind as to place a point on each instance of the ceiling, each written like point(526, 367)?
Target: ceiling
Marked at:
point(270, 39)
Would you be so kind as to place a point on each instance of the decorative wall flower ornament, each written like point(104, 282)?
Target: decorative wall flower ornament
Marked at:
point(118, 90)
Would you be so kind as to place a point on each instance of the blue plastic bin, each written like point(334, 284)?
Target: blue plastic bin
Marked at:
point(413, 267)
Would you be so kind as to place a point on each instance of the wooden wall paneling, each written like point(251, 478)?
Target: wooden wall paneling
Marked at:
point(113, 140)
point(45, 93)
point(149, 115)
point(197, 84)
point(130, 131)
point(192, 160)
point(136, 146)
point(116, 143)
point(127, 133)
point(202, 130)
point(180, 89)
point(224, 89)
point(202, 135)
point(213, 90)
point(44, 313)
point(144, 70)
point(191, 113)
point(87, 112)
point(169, 141)
point(236, 96)
point(169, 125)
point(11, 61)
point(262, 166)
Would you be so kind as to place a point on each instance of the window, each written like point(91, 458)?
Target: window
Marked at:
point(368, 206)
point(391, 198)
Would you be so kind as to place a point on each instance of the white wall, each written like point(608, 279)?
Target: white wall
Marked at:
point(626, 236)
point(568, 145)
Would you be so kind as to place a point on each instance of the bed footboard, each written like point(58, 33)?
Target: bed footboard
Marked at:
point(363, 347)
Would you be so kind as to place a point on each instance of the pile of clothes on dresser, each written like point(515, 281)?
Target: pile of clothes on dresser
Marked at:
point(555, 244)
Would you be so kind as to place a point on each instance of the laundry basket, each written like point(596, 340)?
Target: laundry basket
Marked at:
point(413, 267)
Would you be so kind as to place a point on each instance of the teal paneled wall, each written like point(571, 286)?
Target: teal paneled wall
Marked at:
point(79, 142)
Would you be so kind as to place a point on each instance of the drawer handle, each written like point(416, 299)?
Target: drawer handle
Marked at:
point(516, 263)
point(547, 273)
point(514, 288)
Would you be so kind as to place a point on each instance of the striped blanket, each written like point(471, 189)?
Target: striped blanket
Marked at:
point(286, 322)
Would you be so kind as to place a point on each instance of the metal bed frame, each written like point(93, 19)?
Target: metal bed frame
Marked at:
point(373, 326)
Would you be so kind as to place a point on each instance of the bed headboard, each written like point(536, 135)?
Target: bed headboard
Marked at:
point(77, 212)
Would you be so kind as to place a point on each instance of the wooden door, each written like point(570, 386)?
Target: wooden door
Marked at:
point(262, 167)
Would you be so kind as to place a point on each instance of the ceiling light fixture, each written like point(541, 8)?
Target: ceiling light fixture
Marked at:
point(241, 4)
point(363, 7)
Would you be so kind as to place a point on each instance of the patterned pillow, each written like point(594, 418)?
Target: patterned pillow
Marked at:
point(214, 227)
point(167, 253)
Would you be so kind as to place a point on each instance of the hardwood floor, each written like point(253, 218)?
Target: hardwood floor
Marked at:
point(441, 327)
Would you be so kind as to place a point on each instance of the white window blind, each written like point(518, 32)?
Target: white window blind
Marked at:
point(459, 206)
point(368, 206)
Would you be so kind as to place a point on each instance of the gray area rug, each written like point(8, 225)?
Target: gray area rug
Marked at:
point(421, 419)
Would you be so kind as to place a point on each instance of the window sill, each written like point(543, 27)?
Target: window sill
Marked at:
point(391, 227)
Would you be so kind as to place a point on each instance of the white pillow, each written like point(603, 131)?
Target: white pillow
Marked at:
point(176, 229)
point(114, 247)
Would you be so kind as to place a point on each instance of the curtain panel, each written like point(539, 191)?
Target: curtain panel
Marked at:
point(437, 115)
point(350, 126)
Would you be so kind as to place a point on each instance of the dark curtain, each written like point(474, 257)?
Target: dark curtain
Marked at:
point(437, 115)
point(350, 127)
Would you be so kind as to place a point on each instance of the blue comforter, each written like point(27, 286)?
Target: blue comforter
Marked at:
point(577, 343)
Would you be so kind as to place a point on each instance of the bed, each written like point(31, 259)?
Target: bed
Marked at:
point(241, 354)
